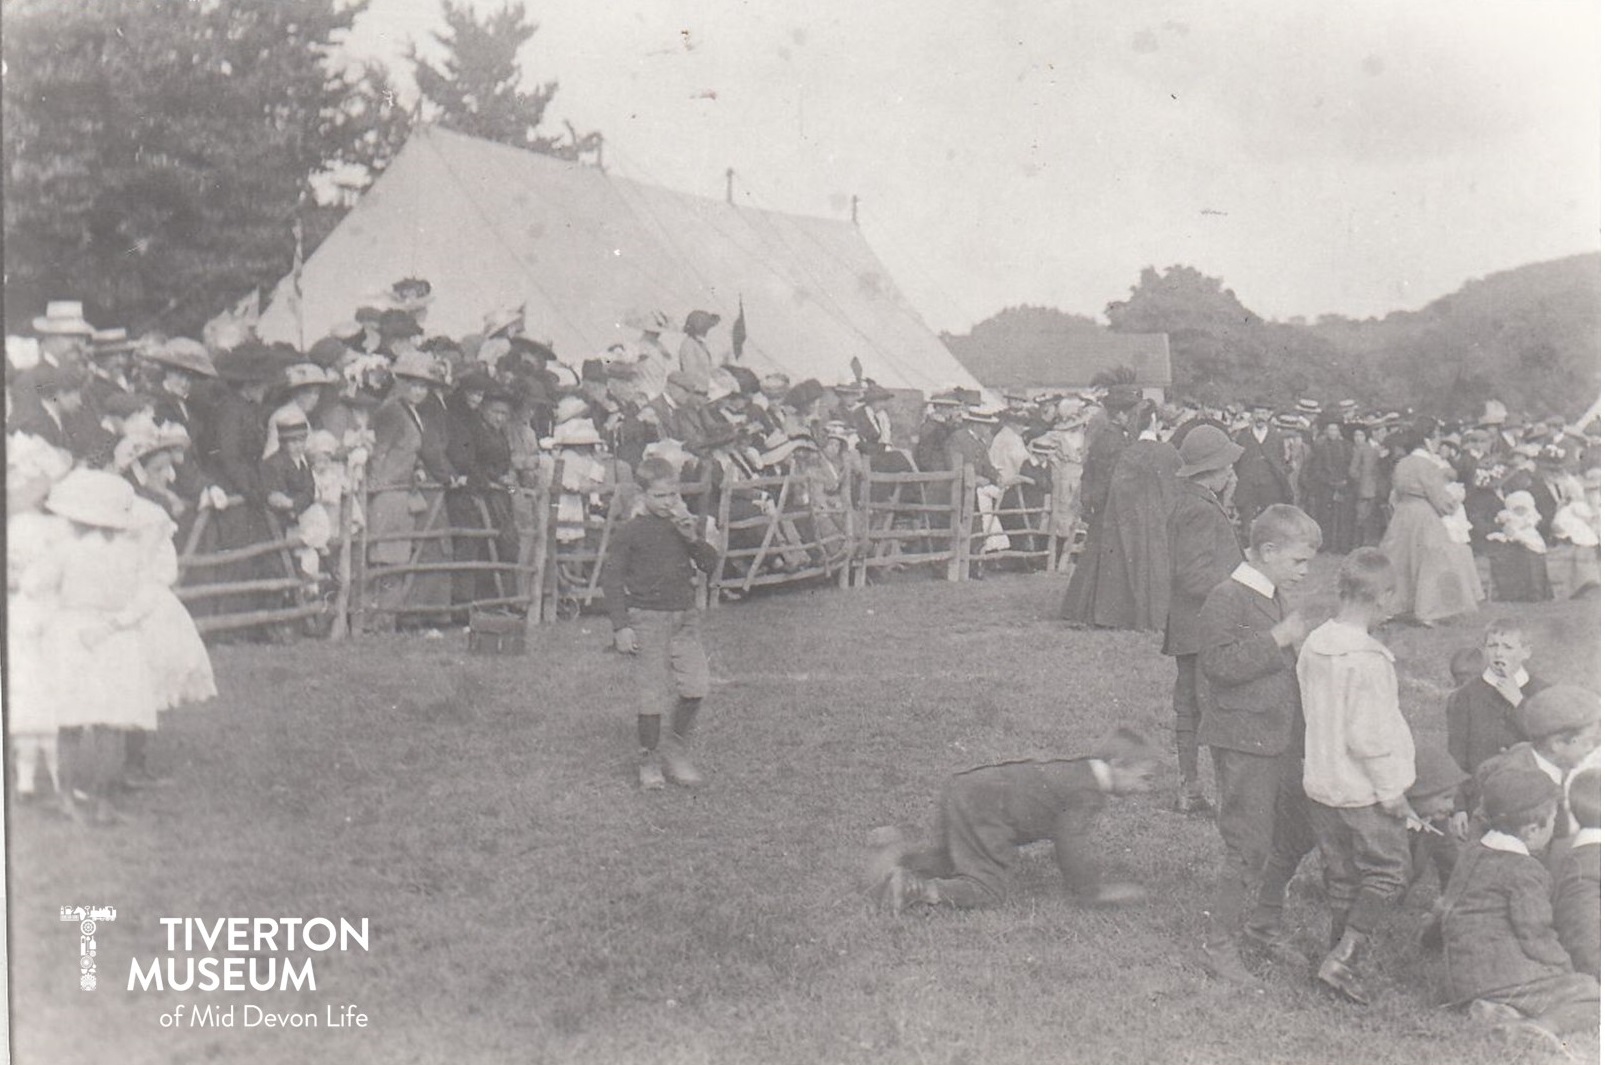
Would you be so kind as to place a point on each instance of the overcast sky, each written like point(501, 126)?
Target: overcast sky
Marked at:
point(1320, 157)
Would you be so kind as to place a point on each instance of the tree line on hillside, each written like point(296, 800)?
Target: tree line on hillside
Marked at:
point(163, 158)
point(1529, 337)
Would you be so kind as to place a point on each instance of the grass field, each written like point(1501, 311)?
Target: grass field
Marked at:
point(528, 904)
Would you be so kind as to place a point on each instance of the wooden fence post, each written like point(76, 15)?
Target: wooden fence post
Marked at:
point(964, 518)
point(340, 628)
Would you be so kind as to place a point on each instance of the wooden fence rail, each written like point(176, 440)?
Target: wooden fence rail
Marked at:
point(776, 529)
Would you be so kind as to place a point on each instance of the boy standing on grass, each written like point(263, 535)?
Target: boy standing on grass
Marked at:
point(1482, 711)
point(1359, 759)
point(987, 813)
point(1254, 727)
point(647, 579)
point(1502, 957)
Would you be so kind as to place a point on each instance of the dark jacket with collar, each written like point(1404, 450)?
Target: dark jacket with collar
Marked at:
point(1252, 702)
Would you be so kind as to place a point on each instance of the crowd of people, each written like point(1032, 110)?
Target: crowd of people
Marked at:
point(1502, 509)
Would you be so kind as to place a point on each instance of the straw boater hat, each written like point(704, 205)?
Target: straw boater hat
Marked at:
point(576, 432)
point(63, 318)
point(982, 415)
point(92, 497)
point(1308, 407)
point(416, 365)
point(1206, 448)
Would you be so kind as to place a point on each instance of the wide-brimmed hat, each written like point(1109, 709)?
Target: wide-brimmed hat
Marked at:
point(182, 353)
point(92, 497)
point(327, 351)
point(647, 321)
point(876, 393)
point(417, 365)
point(804, 392)
point(1206, 448)
point(476, 381)
point(250, 363)
point(525, 348)
point(63, 318)
point(109, 342)
point(395, 324)
point(697, 323)
point(987, 415)
point(308, 375)
point(576, 432)
point(570, 408)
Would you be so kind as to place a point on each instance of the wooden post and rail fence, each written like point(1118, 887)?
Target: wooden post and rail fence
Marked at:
point(773, 530)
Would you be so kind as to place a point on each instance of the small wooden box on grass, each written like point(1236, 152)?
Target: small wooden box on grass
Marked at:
point(495, 633)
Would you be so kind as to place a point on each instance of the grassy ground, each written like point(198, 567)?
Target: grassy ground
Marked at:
point(528, 903)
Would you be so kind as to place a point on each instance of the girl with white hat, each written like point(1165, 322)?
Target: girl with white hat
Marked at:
point(89, 644)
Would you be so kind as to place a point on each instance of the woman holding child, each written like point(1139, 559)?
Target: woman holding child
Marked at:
point(1433, 584)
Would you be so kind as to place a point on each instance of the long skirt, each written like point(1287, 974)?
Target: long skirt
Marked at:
point(1431, 583)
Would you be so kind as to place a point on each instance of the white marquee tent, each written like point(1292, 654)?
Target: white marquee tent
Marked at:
point(492, 226)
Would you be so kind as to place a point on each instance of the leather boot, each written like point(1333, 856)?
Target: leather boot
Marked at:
point(1340, 968)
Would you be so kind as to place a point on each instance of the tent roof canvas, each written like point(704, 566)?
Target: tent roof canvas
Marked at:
point(492, 226)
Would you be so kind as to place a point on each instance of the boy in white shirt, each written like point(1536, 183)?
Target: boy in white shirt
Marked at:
point(1359, 758)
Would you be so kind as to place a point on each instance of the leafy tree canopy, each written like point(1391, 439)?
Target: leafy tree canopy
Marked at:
point(156, 152)
point(478, 88)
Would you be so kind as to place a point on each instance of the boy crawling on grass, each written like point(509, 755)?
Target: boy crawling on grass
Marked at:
point(988, 812)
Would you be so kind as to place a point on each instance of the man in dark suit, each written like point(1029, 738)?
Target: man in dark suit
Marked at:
point(1253, 723)
point(1262, 474)
point(1203, 552)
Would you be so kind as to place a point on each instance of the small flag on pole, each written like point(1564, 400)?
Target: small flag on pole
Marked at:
point(738, 331)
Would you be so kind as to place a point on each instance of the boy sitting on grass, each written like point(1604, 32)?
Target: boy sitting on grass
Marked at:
point(1436, 840)
point(647, 579)
point(1562, 728)
point(1482, 710)
point(988, 812)
point(1359, 759)
point(1254, 727)
point(1502, 957)
point(1577, 901)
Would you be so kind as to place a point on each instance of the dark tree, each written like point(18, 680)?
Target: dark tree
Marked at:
point(157, 152)
point(478, 88)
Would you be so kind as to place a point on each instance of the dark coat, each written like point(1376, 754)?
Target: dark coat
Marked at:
point(1203, 552)
point(1252, 700)
point(280, 474)
point(1262, 474)
point(1123, 578)
point(1498, 924)
point(1482, 723)
point(1577, 904)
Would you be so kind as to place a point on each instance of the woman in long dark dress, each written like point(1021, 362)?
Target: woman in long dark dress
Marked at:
point(1123, 578)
